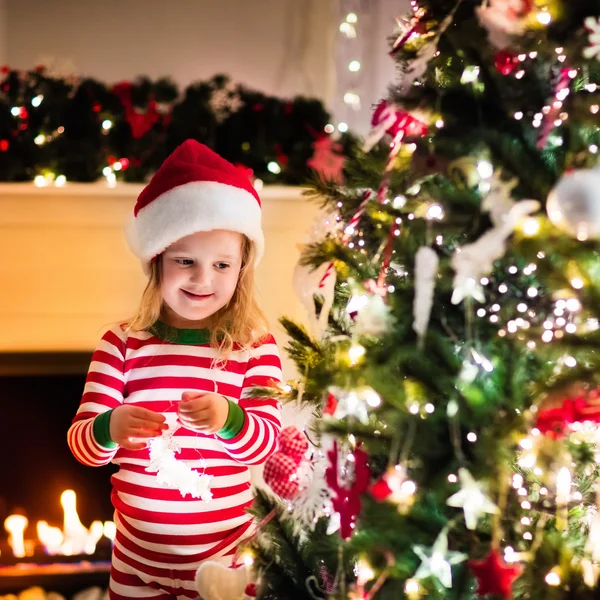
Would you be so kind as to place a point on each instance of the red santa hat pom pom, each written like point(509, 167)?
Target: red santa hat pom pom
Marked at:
point(280, 475)
point(293, 443)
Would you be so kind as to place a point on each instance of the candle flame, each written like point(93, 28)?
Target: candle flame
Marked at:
point(16, 525)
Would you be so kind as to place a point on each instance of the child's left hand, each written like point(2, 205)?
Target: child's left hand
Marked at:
point(203, 412)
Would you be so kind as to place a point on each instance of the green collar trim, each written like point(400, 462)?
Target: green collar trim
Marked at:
point(179, 336)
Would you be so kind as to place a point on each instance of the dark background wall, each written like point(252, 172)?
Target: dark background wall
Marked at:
point(37, 464)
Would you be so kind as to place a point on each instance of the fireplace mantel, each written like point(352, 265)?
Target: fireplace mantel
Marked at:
point(66, 272)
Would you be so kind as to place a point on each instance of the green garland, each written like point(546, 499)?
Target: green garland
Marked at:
point(83, 129)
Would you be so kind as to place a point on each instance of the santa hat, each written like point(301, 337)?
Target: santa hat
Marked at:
point(193, 190)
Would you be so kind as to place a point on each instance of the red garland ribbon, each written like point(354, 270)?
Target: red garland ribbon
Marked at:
point(140, 123)
point(346, 501)
point(554, 422)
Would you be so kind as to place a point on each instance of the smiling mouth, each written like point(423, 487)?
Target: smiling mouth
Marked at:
point(196, 296)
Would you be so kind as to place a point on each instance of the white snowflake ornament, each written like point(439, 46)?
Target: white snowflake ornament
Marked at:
point(174, 473)
point(593, 50)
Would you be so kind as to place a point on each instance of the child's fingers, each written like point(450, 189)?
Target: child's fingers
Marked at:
point(149, 424)
point(131, 445)
point(187, 396)
point(195, 422)
point(193, 405)
point(143, 432)
point(149, 415)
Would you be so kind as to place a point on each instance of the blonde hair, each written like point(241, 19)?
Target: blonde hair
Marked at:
point(240, 323)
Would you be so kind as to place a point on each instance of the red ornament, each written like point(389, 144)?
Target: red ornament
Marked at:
point(346, 500)
point(505, 62)
point(280, 157)
point(280, 474)
point(97, 107)
point(395, 120)
point(330, 405)
point(326, 161)
point(3, 145)
point(5, 69)
point(494, 576)
point(555, 422)
point(281, 468)
point(250, 590)
point(293, 443)
point(380, 490)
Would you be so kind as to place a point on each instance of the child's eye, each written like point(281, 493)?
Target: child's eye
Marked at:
point(184, 262)
point(222, 266)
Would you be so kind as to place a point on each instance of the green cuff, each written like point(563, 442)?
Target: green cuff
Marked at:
point(234, 423)
point(101, 430)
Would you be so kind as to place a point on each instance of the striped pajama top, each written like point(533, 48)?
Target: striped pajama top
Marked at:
point(157, 526)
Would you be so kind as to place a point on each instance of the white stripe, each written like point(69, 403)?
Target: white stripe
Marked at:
point(184, 528)
point(178, 550)
point(150, 371)
point(149, 480)
point(142, 592)
point(269, 349)
point(107, 346)
point(186, 506)
point(99, 388)
point(264, 371)
point(78, 439)
point(105, 369)
point(154, 563)
point(92, 407)
point(150, 350)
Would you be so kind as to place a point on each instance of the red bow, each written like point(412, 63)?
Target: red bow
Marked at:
point(140, 123)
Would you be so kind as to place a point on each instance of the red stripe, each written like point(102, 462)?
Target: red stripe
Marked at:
point(112, 338)
point(181, 360)
point(188, 454)
point(231, 469)
point(175, 559)
point(106, 358)
point(159, 493)
point(181, 383)
point(104, 379)
point(177, 540)
point(191, 518)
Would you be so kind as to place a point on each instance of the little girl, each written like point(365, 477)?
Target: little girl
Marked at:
point(197, 344)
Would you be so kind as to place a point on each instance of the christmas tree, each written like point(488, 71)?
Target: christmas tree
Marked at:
point(453, 355)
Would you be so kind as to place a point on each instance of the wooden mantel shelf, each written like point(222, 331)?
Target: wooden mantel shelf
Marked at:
point(66, 272)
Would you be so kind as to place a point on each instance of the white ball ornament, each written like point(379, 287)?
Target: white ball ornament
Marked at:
point(574, 204)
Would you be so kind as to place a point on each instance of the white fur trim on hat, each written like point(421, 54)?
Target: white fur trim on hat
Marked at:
point(192, 207)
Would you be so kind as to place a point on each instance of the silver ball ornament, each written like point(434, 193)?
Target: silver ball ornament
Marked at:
point(573, 204)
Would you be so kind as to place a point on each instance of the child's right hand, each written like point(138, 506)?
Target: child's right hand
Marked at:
point(129, 422)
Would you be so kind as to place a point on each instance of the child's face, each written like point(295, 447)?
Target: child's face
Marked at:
point(199, 276)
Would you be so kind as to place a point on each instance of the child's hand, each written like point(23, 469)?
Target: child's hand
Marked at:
point(129, 422)
point(204, 412)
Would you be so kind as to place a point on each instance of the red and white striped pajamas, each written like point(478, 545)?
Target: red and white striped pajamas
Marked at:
point(161, 536)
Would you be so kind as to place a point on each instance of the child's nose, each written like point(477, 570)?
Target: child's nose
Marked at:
point(200, 275)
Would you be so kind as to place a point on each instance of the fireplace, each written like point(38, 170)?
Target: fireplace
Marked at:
point(55, 514)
